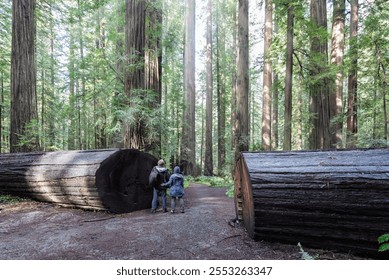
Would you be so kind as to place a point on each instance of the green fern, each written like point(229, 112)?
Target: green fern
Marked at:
point(383, 242)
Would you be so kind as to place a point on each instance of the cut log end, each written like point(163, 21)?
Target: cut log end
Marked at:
point(335, 200)
point(122, 181)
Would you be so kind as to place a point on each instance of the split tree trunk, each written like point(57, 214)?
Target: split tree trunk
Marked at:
point(113, 180)
point(324, 199)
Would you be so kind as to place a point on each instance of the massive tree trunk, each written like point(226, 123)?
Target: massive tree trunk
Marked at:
point(325, 199)
point(221, 93)
point(352, 117)
point(382, 79)
point(267, 77)
point(242, 112)
point(51, 133)
point(23, 77)
point(113, 180)
point(188, 144)
point(83, 132)
point(135, 32)
point(288, 81)
point(275, 113)
point(337, 52)
point(319, 136)
point(72, 131)
point(100, 117)
point(153, 70)
point(234, 78)
point(208, 162)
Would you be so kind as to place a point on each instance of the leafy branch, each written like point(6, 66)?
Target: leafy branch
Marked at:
point(383, 242)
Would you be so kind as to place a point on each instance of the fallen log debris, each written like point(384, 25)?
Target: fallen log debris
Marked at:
point(110, 180)
point(323, 199)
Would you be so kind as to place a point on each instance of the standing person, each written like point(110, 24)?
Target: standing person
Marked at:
point(176, 184)
point(159, 175)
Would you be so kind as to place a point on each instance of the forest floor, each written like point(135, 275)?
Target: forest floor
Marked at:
point(33, 230)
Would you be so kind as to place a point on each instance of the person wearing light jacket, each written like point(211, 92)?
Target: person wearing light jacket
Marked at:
point(176, 185)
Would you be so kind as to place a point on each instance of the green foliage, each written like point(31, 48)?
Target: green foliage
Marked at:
point(6, 198)
point(188, 180)
point(215, 182)
point(212, 181)
point(29, 138)
point(80, 90)
point(383, 242)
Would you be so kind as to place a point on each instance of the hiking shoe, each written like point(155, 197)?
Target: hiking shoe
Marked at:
point(182, 211)
point(153, 211)
point(164, 210)
point(172, 211)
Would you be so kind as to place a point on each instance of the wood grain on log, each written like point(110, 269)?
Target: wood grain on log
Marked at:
point(325, 199)
point(113, 180)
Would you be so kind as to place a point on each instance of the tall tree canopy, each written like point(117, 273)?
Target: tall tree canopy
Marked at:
point(193, 82)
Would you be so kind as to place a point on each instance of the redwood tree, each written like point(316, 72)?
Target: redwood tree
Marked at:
point(23, 77)
point(267, 77)
point(221, 95)
point(337, 53)
point(153, 70)
point(352, 120)
point(242, 111)
point(188, 147)
point(135, 33)
point(319, 137)
point(208, 162)
point(288, 80)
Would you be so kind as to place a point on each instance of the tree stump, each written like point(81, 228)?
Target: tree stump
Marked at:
point(112, 180)
point(323, 199)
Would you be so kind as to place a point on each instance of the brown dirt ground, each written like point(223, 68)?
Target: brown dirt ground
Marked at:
point(34, 230)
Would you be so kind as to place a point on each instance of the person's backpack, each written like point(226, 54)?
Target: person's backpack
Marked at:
point(156, 178)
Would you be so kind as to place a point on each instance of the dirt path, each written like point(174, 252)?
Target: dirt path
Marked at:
point(31, 230)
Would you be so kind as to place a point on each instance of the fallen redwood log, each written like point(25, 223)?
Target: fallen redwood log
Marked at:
point(113, 180)
point(335, 200)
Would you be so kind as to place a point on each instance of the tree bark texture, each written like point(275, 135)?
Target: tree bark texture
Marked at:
point(135, 34)
point(23, 74)
point(208, 162)
point(242, 101)
point(275, 112)
point(384, 86)
point(234, 79)
point(324, 199)
point(337, 53)
point(112, 180)
point(188, 147)
point(83, 132)
point(319, 136)
point(289, 80)
point(221, 96)
point(72, 132)
point(267, 77)
point(153, 69)
point(352, 117)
